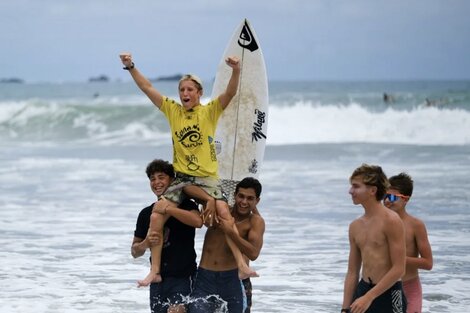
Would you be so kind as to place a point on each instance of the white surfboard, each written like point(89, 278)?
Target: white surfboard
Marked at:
point(242, 129)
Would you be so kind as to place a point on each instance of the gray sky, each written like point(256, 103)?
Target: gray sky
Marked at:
point(71, 40)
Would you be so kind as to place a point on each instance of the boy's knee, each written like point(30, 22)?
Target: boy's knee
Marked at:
point(156, 217)
point(211, 200)
point(223, 209)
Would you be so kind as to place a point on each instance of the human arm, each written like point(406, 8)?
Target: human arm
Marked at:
point(143, 239)
point(188, 217)
point(209, 216)
point(139, 245)
point(141, 81)
point(251, 246)
point(352, 274)
point(424, 259)
point(232, 85)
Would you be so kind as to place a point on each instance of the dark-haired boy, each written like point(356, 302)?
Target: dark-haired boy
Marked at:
point(217, 277)
point(418, 249)
point(178, 260)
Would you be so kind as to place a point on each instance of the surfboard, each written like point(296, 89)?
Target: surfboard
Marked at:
point(242, 128)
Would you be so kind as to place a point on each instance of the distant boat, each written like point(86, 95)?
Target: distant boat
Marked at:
point(101, 78)
point(12, 80)
point(175, 77)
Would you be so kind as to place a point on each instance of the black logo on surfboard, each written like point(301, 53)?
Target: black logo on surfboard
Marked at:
point(246, 39)
point(257, 132)
point(253, 168)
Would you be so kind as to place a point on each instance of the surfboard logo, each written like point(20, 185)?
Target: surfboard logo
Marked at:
point(253, 167)
point(258, 126)
point(218, 147)
point(246, 39)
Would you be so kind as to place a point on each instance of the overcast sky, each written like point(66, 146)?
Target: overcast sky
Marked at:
point(71, 40)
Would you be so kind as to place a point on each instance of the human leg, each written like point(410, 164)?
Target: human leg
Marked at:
point(208, 201)
point(231, 290)
point(414, 295)
point(158, 298)
point(248, 293)
point(170, 295)
point(157, 221)
point(204, 297)
point(244, 270)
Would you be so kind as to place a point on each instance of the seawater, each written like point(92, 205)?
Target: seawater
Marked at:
point(72, 181)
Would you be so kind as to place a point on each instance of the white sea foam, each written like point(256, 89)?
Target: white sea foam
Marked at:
point(66, 225)
point(71, 190)
point(301, 123)
point(304, 123)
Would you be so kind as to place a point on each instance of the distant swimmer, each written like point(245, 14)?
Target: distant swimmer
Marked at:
point(439, 102)
point(430, 102)
point(388, 98)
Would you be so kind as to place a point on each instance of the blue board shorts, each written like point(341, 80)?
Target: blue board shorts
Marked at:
point(214, 291)
point(248, 293)
point(171, 291)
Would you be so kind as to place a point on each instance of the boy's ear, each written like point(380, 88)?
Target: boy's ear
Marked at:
point(373, 190)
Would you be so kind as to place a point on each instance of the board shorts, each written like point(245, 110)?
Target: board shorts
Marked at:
point(248, 293)
point(414, 295)
point(391, 301)
point(220, 291)
point(208, 184)
point(171, 291)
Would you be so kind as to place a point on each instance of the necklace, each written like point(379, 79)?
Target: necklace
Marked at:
point(241, 221)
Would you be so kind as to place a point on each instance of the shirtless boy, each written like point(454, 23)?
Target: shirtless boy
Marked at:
point(418, 249)
point(377, 248)
point(217, 275)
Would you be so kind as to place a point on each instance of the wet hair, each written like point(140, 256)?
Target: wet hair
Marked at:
point(161, 166)
point(403, 183)
point(192, 78)
point(372, 175)
point(250, 182)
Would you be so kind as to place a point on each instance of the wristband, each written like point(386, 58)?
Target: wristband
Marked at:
point(345, 310)
point(127, 68)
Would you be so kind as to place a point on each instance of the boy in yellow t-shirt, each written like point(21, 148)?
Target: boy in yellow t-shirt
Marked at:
point(194, 158)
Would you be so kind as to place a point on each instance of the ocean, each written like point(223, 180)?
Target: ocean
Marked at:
point(72, 182)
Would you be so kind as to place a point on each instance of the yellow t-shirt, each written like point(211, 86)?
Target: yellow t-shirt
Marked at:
point(193, 134)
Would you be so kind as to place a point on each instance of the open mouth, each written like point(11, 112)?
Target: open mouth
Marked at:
point(158, 189)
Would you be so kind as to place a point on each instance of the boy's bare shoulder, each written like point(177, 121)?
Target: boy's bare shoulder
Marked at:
point(392, 216)
point(414, 220)
point(393, 222)
point(256, 219)
point(414, 223)
point(357, 223)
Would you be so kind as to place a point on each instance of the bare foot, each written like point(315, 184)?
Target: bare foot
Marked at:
point(245, 272)
point(151, 278)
